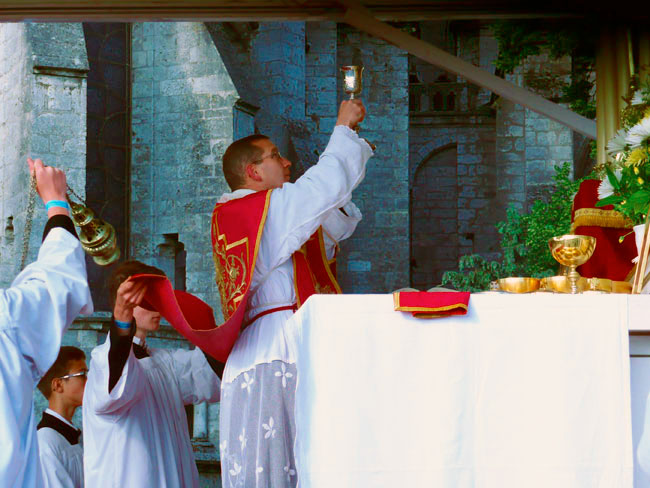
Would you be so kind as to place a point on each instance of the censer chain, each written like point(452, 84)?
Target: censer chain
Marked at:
point(29, 217)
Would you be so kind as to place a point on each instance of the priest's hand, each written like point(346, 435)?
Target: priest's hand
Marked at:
point(129, 295)
point(351, 113)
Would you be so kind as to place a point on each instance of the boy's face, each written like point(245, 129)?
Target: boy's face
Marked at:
point(73, 388)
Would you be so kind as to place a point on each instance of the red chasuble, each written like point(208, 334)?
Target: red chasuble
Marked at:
point(237, 227)
point(611, 259)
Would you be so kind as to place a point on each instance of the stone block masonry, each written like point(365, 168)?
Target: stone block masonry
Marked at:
point(376, 258)
point(182, 122)
point(42, 115)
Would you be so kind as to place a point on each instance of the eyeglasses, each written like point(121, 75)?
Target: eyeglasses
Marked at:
point(83, 374)
point(274, 155)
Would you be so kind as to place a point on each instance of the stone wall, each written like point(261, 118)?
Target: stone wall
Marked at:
point(182, 121)
point(376, 257)
point(42, 114)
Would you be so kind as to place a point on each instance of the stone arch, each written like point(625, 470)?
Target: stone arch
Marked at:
point(433, 208)
point(427, 150)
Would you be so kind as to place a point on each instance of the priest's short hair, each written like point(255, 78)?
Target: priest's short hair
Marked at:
point(237, 156)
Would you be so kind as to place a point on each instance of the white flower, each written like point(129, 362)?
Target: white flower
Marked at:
point(258, 471)
point(605, 188)
point(637, 99)
point(242, 438)
point(284, 374)
point(616, 144)
point(248, 381)
point(270, 431)
point(639, 133)
point(223, 445)
point(235, 470)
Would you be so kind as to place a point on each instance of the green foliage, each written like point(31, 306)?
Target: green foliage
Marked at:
point(524, 239)
point(518, 40)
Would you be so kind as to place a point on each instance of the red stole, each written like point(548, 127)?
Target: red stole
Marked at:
point(237, 227)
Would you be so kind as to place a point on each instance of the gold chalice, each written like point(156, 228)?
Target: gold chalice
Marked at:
point(572, 251)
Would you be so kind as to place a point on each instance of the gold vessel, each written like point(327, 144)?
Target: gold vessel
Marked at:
point(516, 284)
point(572, 250)
point(98, 238)
point(562, 284)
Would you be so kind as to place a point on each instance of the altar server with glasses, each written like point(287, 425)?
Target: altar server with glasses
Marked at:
point(59, 443)
point(35, 311)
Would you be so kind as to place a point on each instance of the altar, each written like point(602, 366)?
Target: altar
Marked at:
point(524, 391)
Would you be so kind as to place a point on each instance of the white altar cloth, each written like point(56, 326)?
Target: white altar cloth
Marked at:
point(525, 391)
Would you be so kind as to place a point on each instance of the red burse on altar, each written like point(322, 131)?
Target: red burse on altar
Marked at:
point(237, 227)
point(432, 304)
point(611, 259)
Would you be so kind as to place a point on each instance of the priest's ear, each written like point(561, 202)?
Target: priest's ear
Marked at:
point(252, 172)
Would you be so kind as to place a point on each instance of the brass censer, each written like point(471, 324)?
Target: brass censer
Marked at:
point(98, 238)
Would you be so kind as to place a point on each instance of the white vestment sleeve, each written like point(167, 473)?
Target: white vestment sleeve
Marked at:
point(128, 389)
point(338, 226)
point(298, 209)
point(45, 298)
point(196, 379)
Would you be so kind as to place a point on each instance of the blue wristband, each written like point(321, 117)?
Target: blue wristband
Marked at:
point(122, 325)
point(57, 203)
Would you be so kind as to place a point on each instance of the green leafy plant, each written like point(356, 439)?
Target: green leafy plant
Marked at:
point(518, 40)
point(524, 239)
point(626, 184)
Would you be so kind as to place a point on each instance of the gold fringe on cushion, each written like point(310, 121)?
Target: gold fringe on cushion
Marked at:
point(589, 217)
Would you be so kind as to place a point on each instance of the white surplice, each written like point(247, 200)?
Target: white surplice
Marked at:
point(256, 419)
point(35, 311)
point(62, 462)
point(137, 435)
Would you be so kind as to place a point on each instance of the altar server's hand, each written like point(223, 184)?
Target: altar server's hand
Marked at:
point(50, 184)
point(351, 113)
point(129, 295)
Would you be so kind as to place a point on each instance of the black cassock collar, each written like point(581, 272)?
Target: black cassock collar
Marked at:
point(70, 433)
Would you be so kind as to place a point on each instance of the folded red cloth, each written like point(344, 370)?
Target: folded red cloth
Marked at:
point(189, 315)
point(432, 304)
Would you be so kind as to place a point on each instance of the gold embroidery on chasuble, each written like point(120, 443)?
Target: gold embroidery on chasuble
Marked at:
point(231, 264)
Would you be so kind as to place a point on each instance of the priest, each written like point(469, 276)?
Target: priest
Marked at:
point(287, 236)
point(35, 311)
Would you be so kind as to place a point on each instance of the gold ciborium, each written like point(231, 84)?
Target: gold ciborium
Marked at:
point(572, 251)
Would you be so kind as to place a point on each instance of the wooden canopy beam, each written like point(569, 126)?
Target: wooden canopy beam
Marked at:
point(361, 18)
point(273, 10)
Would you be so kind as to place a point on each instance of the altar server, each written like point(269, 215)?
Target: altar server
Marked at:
point(58, 439)
point(35, 311)
point(134, 421)
point(257, 427)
